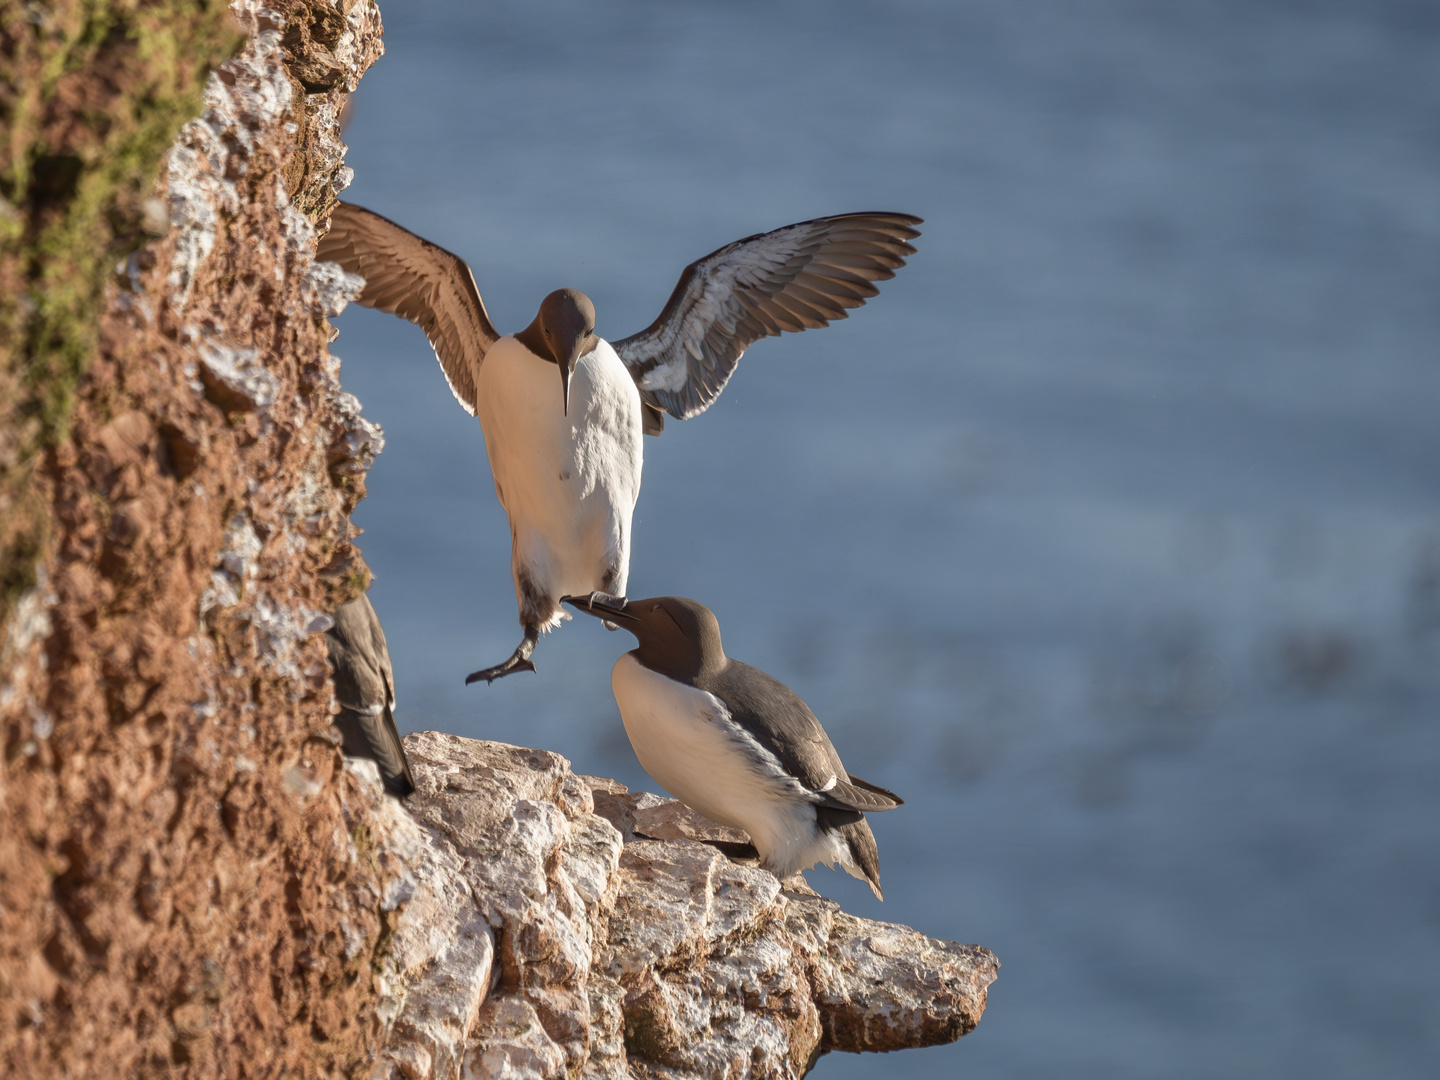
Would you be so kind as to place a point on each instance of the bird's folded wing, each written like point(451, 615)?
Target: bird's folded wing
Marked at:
point(394, 761)
point(804, 751)
point(411, 277)
point(876, 789)
point(360, 660)
point(802, 276)
point(377, 645)
point(868, 799)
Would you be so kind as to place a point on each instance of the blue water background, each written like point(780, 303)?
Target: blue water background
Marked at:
point(1108, 535)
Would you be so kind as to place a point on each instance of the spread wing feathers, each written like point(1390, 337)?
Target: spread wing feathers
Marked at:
point(795, 278)
point(411, 277)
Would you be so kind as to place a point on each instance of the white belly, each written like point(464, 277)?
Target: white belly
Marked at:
point(687, 742)
point(568, 482)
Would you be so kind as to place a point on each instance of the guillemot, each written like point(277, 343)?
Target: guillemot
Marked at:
point(735, 744)
point(568, 478)
point(365, 691)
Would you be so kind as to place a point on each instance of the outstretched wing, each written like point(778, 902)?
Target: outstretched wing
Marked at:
point(795, 278)
point(411, 277)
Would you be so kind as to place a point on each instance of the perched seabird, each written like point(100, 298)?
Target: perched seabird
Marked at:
point(365, 690)
point(567, 464)
point(735, 744)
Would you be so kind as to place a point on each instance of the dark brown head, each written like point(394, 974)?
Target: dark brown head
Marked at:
point(562, 332)
point(678, 637)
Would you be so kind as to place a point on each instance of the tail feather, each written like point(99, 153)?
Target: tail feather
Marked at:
point(864, 853)
point(376, 737)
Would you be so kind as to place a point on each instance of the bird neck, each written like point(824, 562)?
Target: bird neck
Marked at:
point(687, 666)
point(533, 338)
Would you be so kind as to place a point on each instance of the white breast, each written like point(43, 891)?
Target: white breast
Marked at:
point(568, 482)
point(687, 741)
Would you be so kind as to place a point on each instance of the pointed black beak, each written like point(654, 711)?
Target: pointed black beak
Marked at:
point(567, 365)
point(602, 606)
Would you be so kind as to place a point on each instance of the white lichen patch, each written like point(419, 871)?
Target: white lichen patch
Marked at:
point(244, 99)
point(29, 623)
point(358, 441)
point(234, 566)
point(330, 288)
point(239, 370)
point(279, 630)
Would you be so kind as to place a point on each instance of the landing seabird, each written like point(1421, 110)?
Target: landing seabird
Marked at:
point(365, 690)
point(735, 744)
point(567, 465)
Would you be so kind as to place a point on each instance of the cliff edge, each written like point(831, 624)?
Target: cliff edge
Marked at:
point(539, 930)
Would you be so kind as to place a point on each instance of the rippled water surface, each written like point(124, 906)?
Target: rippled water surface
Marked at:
point(1109, 534)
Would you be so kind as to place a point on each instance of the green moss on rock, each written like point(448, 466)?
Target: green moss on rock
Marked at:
point(92, 92)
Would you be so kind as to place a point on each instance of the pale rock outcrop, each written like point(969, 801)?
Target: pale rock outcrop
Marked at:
point(540, 930)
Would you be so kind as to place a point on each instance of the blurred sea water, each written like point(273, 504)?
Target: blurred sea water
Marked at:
point(1108, 534)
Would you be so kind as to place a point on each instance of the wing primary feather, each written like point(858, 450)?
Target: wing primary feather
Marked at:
point(836, 289)
point(409, 276)
point(827, 306)
point(798, 277)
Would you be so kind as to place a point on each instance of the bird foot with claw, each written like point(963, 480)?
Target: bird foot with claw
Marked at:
point(499, 671)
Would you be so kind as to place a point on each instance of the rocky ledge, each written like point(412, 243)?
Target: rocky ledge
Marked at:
point(537, 930)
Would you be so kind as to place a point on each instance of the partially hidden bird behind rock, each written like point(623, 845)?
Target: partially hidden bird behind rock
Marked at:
point(365, 691)
point(567, 459)
point(735, 744)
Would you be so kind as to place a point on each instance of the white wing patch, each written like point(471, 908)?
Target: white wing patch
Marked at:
point(710, 303)
point(798, 277)
point(762, 760)
point(464, 404)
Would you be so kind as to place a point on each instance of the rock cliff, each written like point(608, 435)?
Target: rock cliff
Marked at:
point(177, 881)
point(547, 934)
point(191, 878)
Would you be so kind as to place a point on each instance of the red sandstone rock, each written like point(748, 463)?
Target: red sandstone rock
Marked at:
point(179, 880)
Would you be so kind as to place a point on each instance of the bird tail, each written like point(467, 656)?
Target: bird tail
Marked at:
point(402, 781)
point(861, 857)
point(864, 855)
